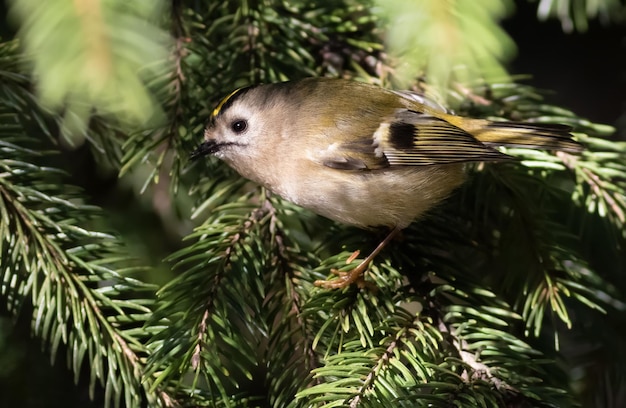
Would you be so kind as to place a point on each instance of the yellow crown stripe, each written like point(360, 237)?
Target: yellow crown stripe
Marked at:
point(220, 105)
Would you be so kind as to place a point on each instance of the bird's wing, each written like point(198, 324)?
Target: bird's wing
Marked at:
point(409, 138)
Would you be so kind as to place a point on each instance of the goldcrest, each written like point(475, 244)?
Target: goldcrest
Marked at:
point(358, 153)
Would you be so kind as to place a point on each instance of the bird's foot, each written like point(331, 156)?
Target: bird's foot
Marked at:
point(347, 278)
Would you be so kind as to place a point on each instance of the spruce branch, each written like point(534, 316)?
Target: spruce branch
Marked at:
point(290, 354)
point(602, 175)
point(419, 361)
point(157, 146)
point(75, 280)
point(201, 336)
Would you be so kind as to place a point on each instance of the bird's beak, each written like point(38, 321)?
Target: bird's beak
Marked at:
point(207, 147)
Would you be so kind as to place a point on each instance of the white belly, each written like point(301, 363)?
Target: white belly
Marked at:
point(389, 197)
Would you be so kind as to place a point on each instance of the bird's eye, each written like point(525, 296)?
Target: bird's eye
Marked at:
point(239, 126)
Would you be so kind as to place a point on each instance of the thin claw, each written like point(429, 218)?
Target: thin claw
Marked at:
point(355, 275)
point(353, 256)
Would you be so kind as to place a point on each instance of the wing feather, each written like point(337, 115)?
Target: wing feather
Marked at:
point(411, 138)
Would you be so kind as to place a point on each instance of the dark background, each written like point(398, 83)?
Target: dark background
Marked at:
point(584, 72)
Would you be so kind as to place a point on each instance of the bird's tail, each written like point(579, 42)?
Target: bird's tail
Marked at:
point(521, 134)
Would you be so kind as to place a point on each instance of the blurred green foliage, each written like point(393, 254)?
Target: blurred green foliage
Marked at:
point(448, 41)
point(575, 14)
point(94, 56)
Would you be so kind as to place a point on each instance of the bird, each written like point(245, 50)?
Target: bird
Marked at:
point(357, 153)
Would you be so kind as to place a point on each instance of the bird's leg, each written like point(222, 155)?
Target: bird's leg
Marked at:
point(356, 275)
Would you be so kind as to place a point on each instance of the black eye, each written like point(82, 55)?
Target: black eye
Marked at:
point(239, 125)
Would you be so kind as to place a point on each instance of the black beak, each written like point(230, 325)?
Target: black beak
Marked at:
point(206, 148)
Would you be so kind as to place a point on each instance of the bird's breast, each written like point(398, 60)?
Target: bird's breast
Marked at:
point(388, 197)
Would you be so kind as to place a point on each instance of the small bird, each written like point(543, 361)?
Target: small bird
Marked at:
point(357, 153)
